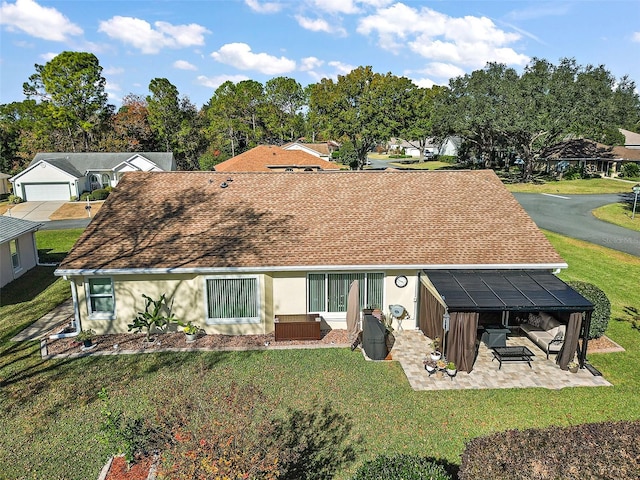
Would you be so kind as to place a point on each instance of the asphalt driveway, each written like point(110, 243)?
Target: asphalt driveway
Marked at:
point(571, 215)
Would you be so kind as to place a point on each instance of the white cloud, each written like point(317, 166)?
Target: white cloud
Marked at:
point(38, 21)
point(48, 56)
point(635, 37)
point(184, 65)
point(320, 25)
point(424, 82)
point(266, 7)
point(240, 56)
point(337, 68)
point(442, 70)
point(113, 71)
point(336, 6)
point(317, 25)
point(310, 63)
point(465, 41)
point(215, 82)
point(141, 35)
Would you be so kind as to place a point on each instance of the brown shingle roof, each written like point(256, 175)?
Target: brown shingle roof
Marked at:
point(377, 218)
point(259, 159)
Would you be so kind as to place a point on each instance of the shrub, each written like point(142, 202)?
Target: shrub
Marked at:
point(446, 158)
point(158, 318)
point(86, 196)
point(602, 307)
point(100, 194)
point(401, 467)
point(605, 451)
point(630, 170)
point(15, 199)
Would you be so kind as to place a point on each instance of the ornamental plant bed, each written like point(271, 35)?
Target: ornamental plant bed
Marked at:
point(119, 470)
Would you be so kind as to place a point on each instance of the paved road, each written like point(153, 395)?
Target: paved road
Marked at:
point(571, 215)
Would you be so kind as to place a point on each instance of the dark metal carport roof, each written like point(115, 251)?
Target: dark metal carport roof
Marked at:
point(500, 290)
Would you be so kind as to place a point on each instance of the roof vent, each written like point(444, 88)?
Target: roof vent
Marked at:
point(229, 179)
point(224, 185)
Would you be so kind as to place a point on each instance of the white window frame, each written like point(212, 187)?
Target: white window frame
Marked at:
point(257, 302)
point(14, 248)
point(364, 302)
point(98, 315)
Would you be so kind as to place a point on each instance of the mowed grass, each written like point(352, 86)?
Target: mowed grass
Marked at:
point(619, 214)
point(50, 413)
point(573, 187)
point(430, 165)
point(53, 245)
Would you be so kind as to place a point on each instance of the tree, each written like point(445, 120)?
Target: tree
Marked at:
point(284, 99)
point(362, 107)
point(418, 125)
point(129, 129)
point(72, 87)
point(164, 111)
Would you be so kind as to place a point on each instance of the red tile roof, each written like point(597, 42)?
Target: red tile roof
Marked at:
point(259, 159)
point(310, 219)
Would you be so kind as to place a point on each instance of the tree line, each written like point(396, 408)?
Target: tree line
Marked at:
point(494, 109)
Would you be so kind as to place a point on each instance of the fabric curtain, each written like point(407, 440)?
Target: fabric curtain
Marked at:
point(570, 345)
point(430, 314)
point(461, 340)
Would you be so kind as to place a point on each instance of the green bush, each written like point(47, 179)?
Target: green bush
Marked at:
point(401, 467)
point(602, 307)
point(446, 158)
point(631, 170)
point(86, 196)
point(15, 199)
point(605, 451)
point(100, 194)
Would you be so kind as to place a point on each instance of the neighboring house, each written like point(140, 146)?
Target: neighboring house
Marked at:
point(18, 252)
point(631, 139)
point(5, 185)
point(320, 150)
point(62, 176)
point(268, 158)
point(594, 157)
point(400, 145)
point(233, 250)
point(450, 146)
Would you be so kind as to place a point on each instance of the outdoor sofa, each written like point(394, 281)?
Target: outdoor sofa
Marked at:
point(545, 330)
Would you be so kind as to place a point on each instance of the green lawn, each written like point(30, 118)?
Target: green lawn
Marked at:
point(619, 214)
point(50, 412)
point(573, 187)
point(53, 245)
point(430, 165)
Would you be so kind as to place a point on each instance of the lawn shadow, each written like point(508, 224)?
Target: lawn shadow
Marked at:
point(28, 286)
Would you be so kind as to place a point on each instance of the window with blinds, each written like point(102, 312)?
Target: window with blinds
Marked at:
point(328, 292)
point(233, 300)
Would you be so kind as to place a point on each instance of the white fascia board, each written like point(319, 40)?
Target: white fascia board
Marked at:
point(121, 167)
point(32, 167)
point(303, 268)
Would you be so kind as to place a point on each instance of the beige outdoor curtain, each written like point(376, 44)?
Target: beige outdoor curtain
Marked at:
point(430, 314)
point(461, 339)
point(571, 337)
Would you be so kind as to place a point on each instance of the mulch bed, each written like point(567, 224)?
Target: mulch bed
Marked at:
point(137, 471)
point(167, 341)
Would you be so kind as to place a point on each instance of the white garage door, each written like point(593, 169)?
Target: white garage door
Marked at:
point(42, 192)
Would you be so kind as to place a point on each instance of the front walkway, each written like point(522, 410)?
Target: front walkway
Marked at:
point(411, 347)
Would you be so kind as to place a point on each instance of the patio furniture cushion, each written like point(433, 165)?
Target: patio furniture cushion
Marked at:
point(549, 336)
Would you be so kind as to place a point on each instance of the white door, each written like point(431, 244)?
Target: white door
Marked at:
point(43, 192)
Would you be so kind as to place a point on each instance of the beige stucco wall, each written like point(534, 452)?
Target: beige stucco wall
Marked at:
point(280, 293)
point(185, 293)
point(43, 173)
point(28, 258)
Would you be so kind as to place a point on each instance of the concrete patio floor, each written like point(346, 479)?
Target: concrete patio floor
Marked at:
point(411, 347)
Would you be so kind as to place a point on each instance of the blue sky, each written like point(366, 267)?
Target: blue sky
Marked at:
point(198, 45)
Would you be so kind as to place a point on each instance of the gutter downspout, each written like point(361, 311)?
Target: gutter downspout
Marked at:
point(76, 314)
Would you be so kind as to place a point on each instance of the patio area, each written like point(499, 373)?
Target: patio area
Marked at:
point(411, 347)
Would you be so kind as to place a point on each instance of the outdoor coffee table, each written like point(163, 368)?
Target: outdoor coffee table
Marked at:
point(512, 354)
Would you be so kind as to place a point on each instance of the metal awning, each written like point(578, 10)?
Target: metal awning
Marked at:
point(505, 290)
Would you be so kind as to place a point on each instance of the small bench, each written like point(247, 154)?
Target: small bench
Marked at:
point(303, 326)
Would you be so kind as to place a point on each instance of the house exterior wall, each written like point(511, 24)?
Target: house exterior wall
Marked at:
point(28, 258)
point(280, 293)
point(44, 173)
